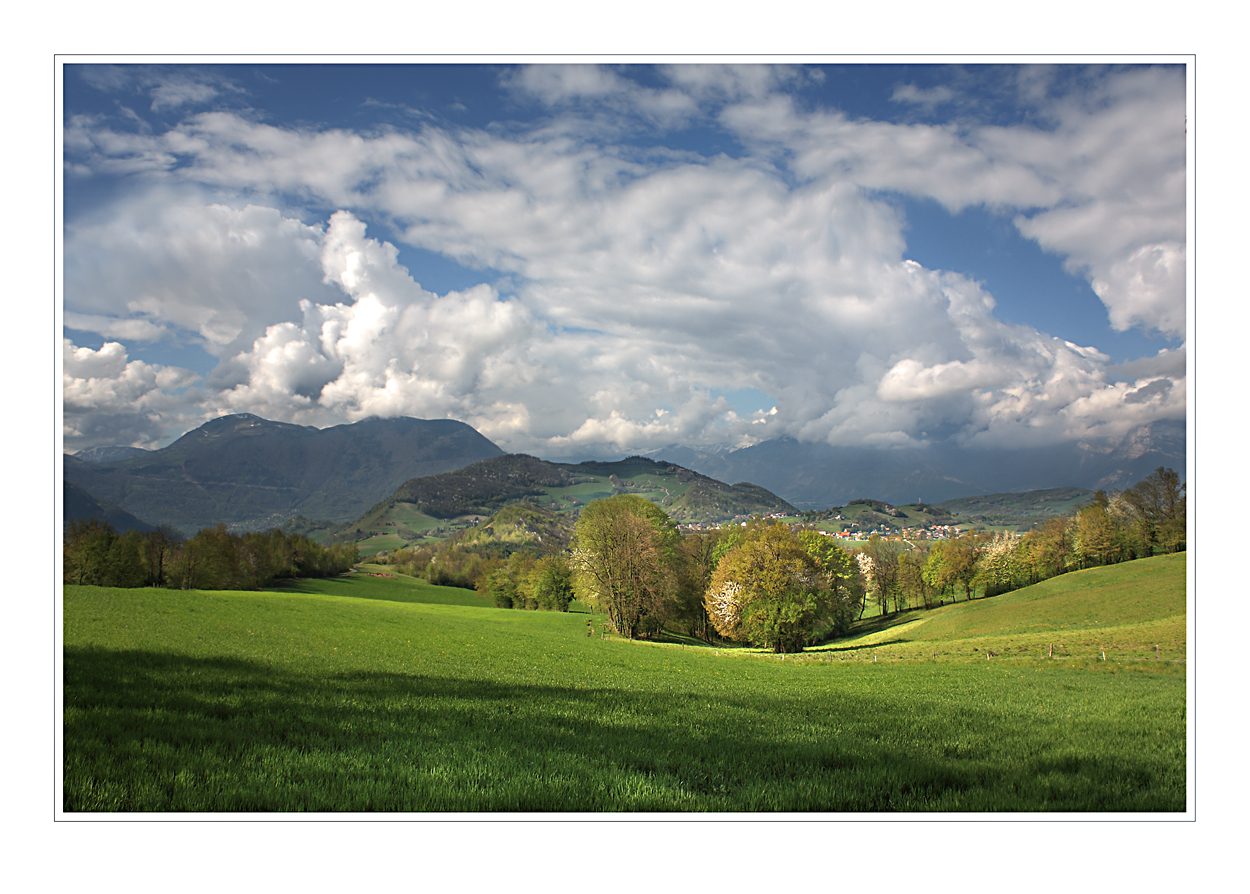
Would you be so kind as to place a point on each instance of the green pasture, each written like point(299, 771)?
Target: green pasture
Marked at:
point(396, 588)
point(1121, 612)
point(367, 694)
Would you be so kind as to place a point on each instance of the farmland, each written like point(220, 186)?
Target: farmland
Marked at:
point(368, 694)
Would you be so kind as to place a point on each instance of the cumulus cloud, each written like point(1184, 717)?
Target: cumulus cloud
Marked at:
point(166, 261)
point(1103, 184)
point(637, 284)
point(110, 399)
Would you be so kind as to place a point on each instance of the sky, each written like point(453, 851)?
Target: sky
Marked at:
point(602, 259)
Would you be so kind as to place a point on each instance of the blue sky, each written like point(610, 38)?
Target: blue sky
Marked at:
point(604, 258)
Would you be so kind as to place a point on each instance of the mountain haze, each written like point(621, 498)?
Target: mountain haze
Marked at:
point(817, 475)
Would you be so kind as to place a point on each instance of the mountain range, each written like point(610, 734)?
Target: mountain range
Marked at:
point(816, 476)
point(255, 473)
point(249, 471)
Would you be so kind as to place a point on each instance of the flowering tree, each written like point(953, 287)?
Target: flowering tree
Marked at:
point(769, 591)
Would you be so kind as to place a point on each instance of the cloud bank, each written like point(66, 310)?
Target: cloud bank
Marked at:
point(626, 285)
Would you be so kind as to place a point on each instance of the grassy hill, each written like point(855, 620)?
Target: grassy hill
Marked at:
point(1122, 611)
point(435, 506)
point(364, 694)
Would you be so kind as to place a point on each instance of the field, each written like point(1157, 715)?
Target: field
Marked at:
point(1131, 613)
point(346, 696)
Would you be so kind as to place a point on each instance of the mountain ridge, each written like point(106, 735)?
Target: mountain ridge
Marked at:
point(817, 475)
point(243, 469)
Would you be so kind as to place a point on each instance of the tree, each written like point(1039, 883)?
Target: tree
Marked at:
point(952, 562)
point(842, 577)
point(1098, 538)
point(699, 554)
point(769, 591)
point(884, 555)
point(1001, 567)
point(94, 553)
point(911, 579)
point(1048, 549)
point(624, 552)
point(553, 583)
point(1157, 506)
point(161, 545)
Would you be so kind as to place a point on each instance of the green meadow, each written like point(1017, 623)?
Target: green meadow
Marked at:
point(389, 695)
point(1130, 613)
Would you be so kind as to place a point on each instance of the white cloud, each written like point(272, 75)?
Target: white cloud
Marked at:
point(929, 99)
point(638, 283)
point(110, 399)
point(113, 327)
point(600, 88)
point(170, 262)
point(1104, 187)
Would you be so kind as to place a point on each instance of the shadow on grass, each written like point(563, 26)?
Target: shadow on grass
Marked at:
point(869, 626)
point(147, 731)
point(830, 647)
point(404, 590)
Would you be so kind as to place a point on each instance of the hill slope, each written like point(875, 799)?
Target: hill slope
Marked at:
point(249, 471)
point(81, 506)
point(310, 701)
point(484, 488)
point(1122, 610)
point(1021, 510)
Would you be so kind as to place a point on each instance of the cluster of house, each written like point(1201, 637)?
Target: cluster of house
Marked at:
point(928, 532)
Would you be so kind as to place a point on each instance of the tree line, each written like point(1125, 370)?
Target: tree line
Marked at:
point(214, 559)
point(783, 589)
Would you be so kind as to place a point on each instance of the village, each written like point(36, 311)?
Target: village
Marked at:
point(845, 529)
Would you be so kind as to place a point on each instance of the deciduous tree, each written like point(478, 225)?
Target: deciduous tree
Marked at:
point(623, 556)
point(769, 591)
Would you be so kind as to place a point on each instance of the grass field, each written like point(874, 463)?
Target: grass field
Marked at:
point(1123, 612)
point(345, 696)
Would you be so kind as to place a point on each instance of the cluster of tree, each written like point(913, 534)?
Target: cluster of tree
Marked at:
point(513, 576)
point(763, 584)
point(783, 589)
point(529, 582)
point(1147, 519)
point(450, 564)
point(214, 559)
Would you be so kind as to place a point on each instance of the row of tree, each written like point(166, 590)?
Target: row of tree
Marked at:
point(214, 559)
point(530, 582)
point(783, 589)
point(1148, 519)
